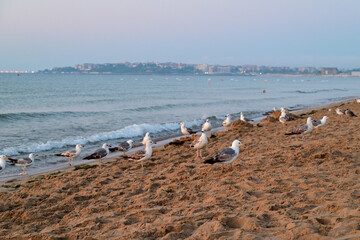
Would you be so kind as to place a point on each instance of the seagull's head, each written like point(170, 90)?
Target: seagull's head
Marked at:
point(207, 120)
point(182, 124)
point(274, 109)
point(105, 146)
point(282, 109)
point(203, 130)
point(309, 120)
point(79, 146)
point(131, 142)
point(32, 156)
point(227, 115)
point(149, 143)
point(147, 134)
point(237, 144)
point(3, 157)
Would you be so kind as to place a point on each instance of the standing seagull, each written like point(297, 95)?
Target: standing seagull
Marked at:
point(303, 129)
point(340, 111)
point(146, 138)
point(207, 125)
point(185, 130)
point(2, 162)
point(142, 155)
point(284, 117)
point(71, 154)
point(226, 123)
point(99, 153)
point(123, 147)
point(227, 155)
point(319, 123)
point(23, 162)
point(244, 119)
point(200, 143)
point(350, 113)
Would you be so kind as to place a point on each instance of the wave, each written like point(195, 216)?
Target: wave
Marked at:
point(30, 115)
point(320, 90)
point(132, 131)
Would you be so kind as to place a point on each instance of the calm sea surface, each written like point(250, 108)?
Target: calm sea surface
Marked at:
point(48, 114)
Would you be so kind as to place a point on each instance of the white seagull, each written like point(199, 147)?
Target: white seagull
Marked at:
point(244, 119)
point(146, 138)
point(207, 125)
point(142, 155)
point(319, 123)
point(23, 162)
point(200, 143)
point(340, 111)
point(2, 163)
point(185, 130)
point(123, 147)
point(99, 153)
point(284, 117)
point(227, 155)
point(358, 100)
point(226, 123)
point(303, 129)
point(71, 154)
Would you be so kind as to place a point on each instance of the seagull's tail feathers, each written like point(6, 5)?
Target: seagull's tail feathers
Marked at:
point(59, 154)
point(290, 133)
point(113, 149)
point(11, 160)
point(211, 160)
point(88, 157)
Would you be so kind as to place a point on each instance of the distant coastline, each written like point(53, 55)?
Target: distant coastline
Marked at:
point(169, 68)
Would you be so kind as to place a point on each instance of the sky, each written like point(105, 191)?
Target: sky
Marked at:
point(40, 34)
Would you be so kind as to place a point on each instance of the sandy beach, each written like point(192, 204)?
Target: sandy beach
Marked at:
point(280, 187)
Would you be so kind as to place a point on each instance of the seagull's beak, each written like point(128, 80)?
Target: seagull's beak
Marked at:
point(8, 157)
point(243, 146)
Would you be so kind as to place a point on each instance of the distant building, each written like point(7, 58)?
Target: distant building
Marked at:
point(328, 71)
point(355, 73)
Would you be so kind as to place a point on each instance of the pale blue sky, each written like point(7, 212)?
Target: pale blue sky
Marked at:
point(39, 34)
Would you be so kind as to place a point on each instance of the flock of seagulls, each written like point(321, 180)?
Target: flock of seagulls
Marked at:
point(225, 156)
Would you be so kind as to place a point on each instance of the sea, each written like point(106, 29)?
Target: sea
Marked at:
point(51, 113)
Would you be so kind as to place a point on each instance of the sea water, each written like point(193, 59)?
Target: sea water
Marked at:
point(47, 114)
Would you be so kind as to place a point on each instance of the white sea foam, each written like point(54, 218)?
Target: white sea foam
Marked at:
point(131, 131)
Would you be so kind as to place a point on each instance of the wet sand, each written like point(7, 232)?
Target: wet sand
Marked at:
point(279, 188)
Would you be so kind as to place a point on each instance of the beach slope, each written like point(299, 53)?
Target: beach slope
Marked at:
point(280, 187)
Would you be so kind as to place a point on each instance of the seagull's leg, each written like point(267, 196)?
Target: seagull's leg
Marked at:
point(142, 165)
point(69, 162)
point(124, 154)
point(24, 171)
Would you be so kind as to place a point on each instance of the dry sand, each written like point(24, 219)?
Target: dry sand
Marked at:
point(279, 188)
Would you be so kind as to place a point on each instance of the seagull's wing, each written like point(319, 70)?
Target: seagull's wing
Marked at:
point(136, 156)
point(124, 146)
point(224, 155)
point(99, 153)
point(298, 130)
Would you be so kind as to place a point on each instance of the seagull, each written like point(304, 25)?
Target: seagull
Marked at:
point(146, 138)
point(200, 143)
point(142, 155)
point(350, 113)
point(226, 123)
point(319, 123)
point(99, 153)
point(185, 130)
point(207, 125)
point(71, 154)
point(123, 147)
point(340, 111)
point(227, 155)
point(284, 117)
point(358, 100)
point(2, 162)
point(23, 162)
point(270, 112)
point(303, 129)
point(244, 119)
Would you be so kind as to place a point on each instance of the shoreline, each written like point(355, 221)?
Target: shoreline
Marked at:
point(160, 142)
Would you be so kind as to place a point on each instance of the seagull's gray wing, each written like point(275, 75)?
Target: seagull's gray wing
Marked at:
point(124, 146)
point(99, 153)
point(225, 155)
